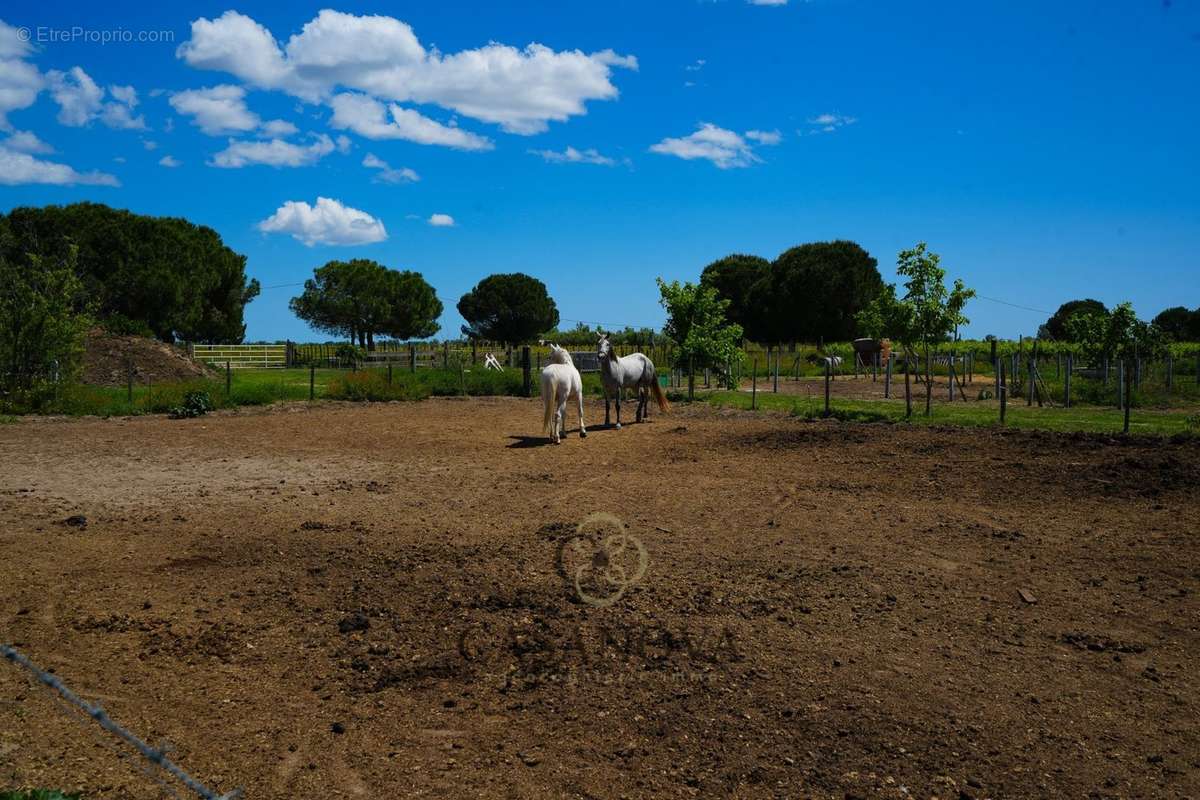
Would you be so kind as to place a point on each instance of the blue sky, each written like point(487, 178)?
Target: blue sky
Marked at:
point(1046, 150)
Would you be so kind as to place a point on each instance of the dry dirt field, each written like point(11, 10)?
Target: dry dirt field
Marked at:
point(369, 601)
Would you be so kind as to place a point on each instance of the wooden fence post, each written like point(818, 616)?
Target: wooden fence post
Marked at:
point(312, 380)
point(754, 385)
point(1128, 396)
point(412, 358)
point(389, 372)
point(996, 366)
point(130, 368)
point(1067, 380)
point(1002, 391)
point(228, 379)
point(828, 376)
point(951, 375)
point(1121, 383)
point(907, 386)
point(526, 367)
point(691, 378)
point(1029, 380)
point(776, 373)
point(887, 378)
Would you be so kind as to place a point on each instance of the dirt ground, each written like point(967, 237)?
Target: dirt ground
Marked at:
point(107, 359)
point(380, 601)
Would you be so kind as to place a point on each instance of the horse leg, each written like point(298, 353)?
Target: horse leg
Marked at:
point(618, 409)
point(560, 419)
point(640, 397)
point(582, 429)
point(607, 422)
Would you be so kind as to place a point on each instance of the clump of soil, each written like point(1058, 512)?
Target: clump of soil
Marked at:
point(107, 358)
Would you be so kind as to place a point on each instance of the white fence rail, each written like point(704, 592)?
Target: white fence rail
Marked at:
point(240, 356)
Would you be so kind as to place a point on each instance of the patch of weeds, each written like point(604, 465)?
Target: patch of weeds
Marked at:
point(37, 794)
point(843, 414)
point(195, 403)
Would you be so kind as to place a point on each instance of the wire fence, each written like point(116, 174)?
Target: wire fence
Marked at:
point(156, 757)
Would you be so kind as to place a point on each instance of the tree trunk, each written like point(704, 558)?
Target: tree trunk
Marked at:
point(928, 382)
point(370, 340)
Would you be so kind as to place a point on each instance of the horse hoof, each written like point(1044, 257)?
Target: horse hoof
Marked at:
point(583, 434)
point(618, 426)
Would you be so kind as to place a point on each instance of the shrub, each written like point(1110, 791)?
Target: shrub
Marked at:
point(196, 403)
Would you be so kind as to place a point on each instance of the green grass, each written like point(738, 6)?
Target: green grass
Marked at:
point(37, 794)
point(969, 414)
point(253, 387)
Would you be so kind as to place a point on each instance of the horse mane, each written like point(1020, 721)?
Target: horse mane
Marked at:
point(560, 355)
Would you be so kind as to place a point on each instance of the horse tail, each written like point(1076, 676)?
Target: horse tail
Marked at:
point(549, 402)
point(659, 397)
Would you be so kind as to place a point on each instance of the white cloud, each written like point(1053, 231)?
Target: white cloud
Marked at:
point(20, 81)
point(217, 110)
point(149, 144)
point(273, 152)
point(386, 173)
point(441, 221)
point(573, 156)
point(126, 95)
point(26, 142)
point(169, 161)
point(18, 168)
point(78, 97)
point(80, 101)
point(520, 90)
point(369, 117)
point(828, 123)
point(279, 128)
point(724, 148)
point(328, 222)
point(695, 66)
point(765, 137)
point(120, 116)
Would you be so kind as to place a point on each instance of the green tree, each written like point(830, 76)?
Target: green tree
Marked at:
point(41, 323)
point(696, 324)
point(733, 277)
point(360, 299)
point(814, 291)
point(508, 308)
point(926, 315)
point(161, 274)
point(1179, 324)
point(1117, 333)
point(1056, 326)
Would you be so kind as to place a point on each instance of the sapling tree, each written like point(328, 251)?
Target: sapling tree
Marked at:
point(925, 316)
point(697, 326)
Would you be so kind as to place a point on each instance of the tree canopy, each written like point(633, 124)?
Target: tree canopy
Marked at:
point(509, 308)
point(1056, 326)
point(733, 277)
point(1179, 324)
point(1117, 333)
point(813, 291)
point(362, 299)
point(158, 275)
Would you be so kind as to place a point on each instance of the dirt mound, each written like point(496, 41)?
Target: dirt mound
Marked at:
point(107, 358)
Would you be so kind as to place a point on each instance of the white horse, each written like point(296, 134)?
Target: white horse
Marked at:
point(491, 362)
point(636, 370)
point(560, 383)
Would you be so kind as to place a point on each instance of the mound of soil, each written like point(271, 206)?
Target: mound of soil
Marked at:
point(107, 358)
